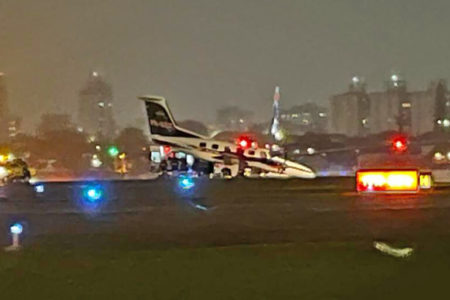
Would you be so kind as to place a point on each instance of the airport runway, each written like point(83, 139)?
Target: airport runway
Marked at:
point(225, 212)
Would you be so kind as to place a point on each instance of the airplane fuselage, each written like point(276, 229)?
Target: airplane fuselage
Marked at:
point(229, 153)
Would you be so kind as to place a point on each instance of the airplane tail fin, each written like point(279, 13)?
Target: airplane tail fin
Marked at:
point(275, 124)
point(161, 121)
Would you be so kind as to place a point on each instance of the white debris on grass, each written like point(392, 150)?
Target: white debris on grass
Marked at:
point(396, 252)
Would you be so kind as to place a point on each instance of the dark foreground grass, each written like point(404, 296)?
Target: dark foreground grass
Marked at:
point(118, 268)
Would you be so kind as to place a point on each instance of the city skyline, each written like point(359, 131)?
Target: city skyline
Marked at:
point(204, 55)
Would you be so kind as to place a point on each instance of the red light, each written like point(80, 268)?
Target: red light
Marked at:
point(387, 181)
point(400, 144)
point(167, 149)
point(245, 142)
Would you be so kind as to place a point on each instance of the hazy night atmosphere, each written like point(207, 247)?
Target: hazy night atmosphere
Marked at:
point(204, 149)
point(209, 53)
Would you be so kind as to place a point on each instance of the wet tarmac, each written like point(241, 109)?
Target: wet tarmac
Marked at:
point(224, 212)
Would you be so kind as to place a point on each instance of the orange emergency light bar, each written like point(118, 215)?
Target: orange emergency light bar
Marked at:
point(368, 181)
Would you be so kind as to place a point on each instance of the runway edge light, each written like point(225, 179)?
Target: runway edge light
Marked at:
point(373, 181)
point(15, 229)
point(39, 188)
point(186, 183)
point(93, 193)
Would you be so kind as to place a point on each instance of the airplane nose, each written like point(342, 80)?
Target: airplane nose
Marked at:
point(307, 172)
point(311, 174)
point(302, 172)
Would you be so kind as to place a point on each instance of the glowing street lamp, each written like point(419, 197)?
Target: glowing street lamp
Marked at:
point(446, 123)
point(95, 161)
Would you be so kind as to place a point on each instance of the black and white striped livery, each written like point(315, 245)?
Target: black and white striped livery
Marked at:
point(165, 131)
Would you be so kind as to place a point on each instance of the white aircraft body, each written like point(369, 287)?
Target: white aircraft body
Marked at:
point(165, 131)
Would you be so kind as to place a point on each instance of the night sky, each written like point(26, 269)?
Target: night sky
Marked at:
point(202, 55)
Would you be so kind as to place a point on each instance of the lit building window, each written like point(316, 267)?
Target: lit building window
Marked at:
point(406, 104)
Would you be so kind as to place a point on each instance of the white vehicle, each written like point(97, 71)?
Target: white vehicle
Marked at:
point(164, 131)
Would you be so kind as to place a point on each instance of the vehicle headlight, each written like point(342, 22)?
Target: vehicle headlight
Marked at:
point(3, 172)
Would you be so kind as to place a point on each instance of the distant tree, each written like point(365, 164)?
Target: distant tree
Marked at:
point(23, 144)
point(234, 118)
point(54, 122)
point(131, 140)
point(194, 126)
point(66, 146)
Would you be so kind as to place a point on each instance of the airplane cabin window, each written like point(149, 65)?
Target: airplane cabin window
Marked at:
point(203, 145)
point(215, 146)
point(251, 152)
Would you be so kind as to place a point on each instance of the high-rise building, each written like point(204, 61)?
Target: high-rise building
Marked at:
point(442, 105)
point(9, 126)
point(307, 117)
point(390, 109)
point(4, 110)
point(358, 112)
point(349, 112)
point(95, 113)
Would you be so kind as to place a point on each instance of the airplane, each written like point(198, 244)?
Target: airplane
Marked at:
point(233, 157)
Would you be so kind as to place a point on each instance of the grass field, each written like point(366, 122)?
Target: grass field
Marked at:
point(97, 267)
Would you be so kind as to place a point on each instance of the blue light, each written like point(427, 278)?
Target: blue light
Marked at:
point(92, 198)
point(16, 228)
point(186, 183)
point(39, 188)
point(93, 194)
